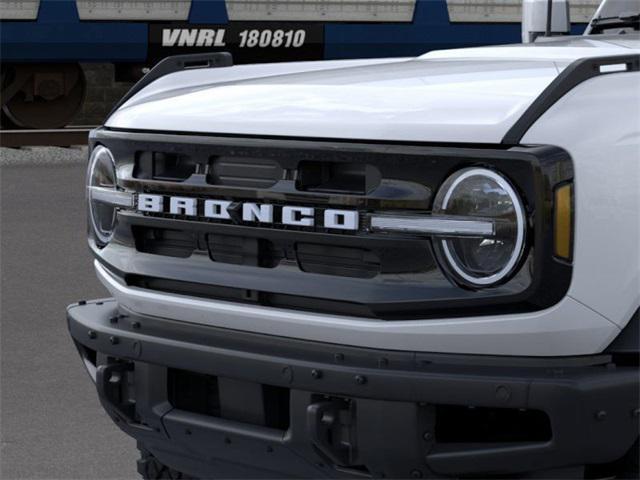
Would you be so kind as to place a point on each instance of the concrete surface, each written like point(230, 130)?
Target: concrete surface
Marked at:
point(51, 423)
point(43, 156)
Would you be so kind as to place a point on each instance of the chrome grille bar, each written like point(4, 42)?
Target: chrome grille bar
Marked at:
point(111, 196)
point(433, 225)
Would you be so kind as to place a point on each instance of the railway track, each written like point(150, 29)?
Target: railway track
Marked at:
point(64, 137)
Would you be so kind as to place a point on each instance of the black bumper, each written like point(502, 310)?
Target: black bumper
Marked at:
point(221, 403)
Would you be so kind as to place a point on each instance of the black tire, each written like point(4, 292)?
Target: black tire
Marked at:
point(151, 469)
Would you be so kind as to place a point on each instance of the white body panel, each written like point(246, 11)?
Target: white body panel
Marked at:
point(568, 328)
point(467, 95)
point(412, 101)
point(598, 123)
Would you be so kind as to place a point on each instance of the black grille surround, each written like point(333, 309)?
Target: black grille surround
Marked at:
point(381, 275)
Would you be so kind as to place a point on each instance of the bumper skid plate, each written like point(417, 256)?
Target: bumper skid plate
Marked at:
point(221, 403)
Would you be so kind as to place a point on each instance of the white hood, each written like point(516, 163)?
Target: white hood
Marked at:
point(467, 95)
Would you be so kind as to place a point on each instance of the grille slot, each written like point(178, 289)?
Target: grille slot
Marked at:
point(170, 167)
point(255, 252)
point(163, 241)
point(332, 177)
point(243, 172)
point(342, 261)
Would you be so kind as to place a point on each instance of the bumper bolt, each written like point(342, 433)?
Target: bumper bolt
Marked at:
point(227, 440)
point(383, 363)
point(427, 436)
point(114, 340)
point(113, 319)
point(287, 374)
point(503, 393)
point(187, 431)
point(269, 449)
point(317, 374)
point(339, 357)
point(92, 334)
point(135, 325)
point(361, 379)
point(416, 474)
point(601, 415)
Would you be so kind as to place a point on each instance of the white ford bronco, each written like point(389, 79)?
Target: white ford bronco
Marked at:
point(397, 268)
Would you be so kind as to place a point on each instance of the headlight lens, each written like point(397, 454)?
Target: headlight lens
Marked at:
point(484, 260)
point(101, 175)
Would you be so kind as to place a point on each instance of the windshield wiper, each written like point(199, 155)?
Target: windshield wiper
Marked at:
point(621, 21)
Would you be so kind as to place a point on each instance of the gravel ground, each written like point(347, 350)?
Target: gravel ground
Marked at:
point(51, 423)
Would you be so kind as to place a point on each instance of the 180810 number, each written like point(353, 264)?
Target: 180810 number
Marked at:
point(272, 38)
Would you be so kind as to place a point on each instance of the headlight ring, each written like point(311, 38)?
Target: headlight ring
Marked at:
point(101, 180)
point(482, 261)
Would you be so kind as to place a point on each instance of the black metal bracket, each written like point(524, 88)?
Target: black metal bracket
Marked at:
point(174, 64)
point(577, 72)
point(325, 426)
point(109, 380)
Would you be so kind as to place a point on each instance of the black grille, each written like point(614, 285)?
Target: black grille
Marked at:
point(357, 272)
point(323, 256)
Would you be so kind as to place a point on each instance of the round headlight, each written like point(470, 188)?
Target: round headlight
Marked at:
point(101, 175)
point(484, 260)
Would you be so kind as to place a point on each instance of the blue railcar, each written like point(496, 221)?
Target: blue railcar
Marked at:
point(42, 41)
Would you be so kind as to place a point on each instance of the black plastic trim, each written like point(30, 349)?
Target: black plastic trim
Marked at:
point(576, 73)
point(628, 341)
point(174, 64)
point(104, 131)
point(590, 402)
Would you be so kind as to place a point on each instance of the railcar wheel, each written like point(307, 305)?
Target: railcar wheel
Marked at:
point(6, 78)
point(42, 96)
